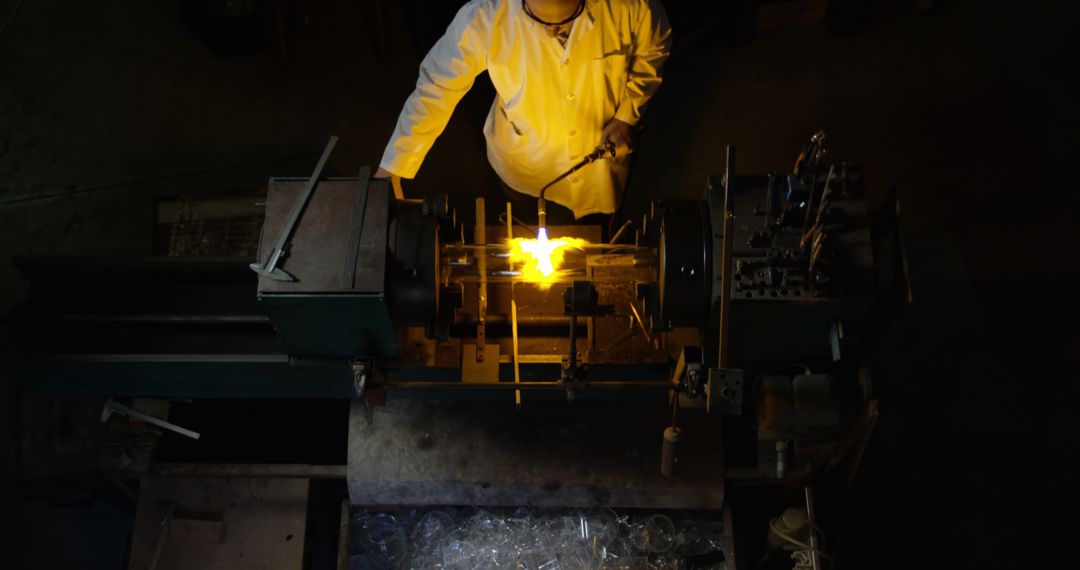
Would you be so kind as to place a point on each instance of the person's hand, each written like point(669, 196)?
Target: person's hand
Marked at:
point(395, 181)
point(622, 134)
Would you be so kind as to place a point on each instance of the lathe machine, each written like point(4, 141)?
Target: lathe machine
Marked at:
point(757, 302)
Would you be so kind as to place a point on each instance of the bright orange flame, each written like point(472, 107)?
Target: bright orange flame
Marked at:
point(539, 259)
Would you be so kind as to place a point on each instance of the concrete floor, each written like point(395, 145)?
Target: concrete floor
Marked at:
point(970, 111)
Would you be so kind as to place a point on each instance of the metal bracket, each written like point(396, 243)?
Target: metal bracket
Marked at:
point(725, 391)
point(360, 370)
point(573, 376)
point(690, 378)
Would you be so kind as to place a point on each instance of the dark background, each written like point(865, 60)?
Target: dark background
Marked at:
point(970, 110)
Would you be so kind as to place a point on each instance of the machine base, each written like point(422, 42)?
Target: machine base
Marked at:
point(550, 453)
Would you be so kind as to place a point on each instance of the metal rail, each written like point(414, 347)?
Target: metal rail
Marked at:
point(162, 319)
point(725, 259)
point(455, 385)
point(243, 471)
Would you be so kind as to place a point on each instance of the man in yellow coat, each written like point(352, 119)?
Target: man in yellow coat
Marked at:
point(569, 75)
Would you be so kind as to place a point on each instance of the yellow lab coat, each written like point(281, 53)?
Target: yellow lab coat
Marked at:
point(552, 101)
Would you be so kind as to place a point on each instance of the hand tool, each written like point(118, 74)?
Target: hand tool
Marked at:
point(605, 150)
point(271, 268)
point(112, 407)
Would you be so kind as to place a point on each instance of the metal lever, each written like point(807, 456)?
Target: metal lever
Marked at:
point(271, 269)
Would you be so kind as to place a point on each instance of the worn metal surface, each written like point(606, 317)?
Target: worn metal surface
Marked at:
point(549, 453)
point(260, 523)
point(319, 243)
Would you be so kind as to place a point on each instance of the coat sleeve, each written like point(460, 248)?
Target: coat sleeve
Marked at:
point(650, 45)
point(446, 75)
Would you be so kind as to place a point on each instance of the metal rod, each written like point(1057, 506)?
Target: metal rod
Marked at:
point(513, 310)
point(112, 407)
point(808, 230)
point(245, 471)
point(480, 237)
point(623, 337)
point(529, 230)
point(552, 320)
point(725, 259)
point(165, 319)
point(505, 331)
point(641, 323)
point(588, 248)
point(565, 276)
point(455, 385)
point(622, 229)
point(814, 549)
point(605, 149)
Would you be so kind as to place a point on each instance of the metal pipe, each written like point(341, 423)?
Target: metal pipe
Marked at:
point(573, 342)
point(725, 259)
point(466, 319)
point(245, 471)
point(481, 305)
point(502, 249)
point(456, 385)
point(641, 323)
point(622, 229)
point(513, 310)
point(605, 149)
point(562, 276)
point(506, 331)
point(529, 230)
point(808, 230)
